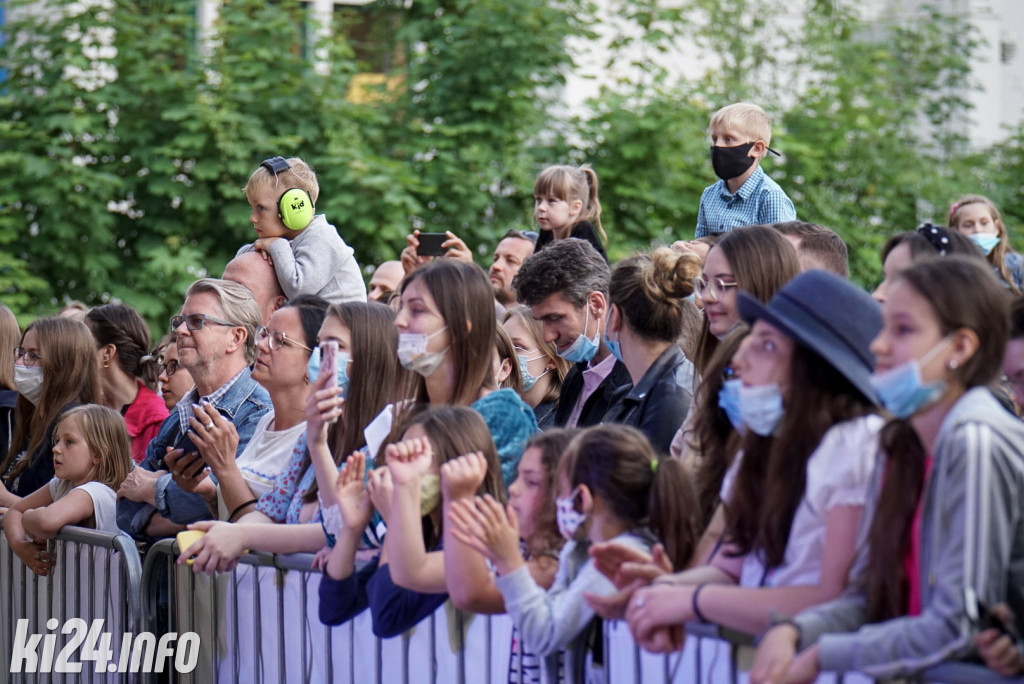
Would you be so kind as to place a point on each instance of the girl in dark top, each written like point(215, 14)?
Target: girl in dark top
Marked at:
point(406, 582)
point(55, 368)
point(566, 205)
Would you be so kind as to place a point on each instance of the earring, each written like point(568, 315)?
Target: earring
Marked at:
point(952, 364)
point(106, 364)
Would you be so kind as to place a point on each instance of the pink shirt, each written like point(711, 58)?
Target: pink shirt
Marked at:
point(593, 376)
point(143, 419)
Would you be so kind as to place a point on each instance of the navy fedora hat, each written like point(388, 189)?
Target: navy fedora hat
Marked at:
point(831, 316)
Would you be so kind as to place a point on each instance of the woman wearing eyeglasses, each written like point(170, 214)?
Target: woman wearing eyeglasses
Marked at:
point(128, 373)
point(54, 369)
point(175, 380)
point(754, 259)
point(283, 350)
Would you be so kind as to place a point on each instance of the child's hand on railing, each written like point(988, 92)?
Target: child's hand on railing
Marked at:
point(462, 477)
point(483, 524)
point(624, 565)
point(34, 555)
point(774, 654)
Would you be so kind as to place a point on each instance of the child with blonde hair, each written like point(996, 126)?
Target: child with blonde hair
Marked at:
point(566, 205)
point(308, 254)
point(91, 458)
point(741, 135)
point(977, 217)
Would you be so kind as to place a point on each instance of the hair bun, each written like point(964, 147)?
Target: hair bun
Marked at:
point(672, 273)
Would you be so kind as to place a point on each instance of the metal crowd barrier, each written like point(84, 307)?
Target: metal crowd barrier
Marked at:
point(260, 623)
point(96, 578)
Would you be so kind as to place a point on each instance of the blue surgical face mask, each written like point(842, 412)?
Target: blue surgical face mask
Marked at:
point(614, 347)
point(583, 348)
point(729, 401)
point(761, 408)
point(901, 390)
point(524, 371)
point(986, 241)
point(313, 368)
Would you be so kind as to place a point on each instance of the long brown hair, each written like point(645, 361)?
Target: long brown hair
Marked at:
point(373, 375)
point(962, 293)
point(107, 437)
point(762, 261)
point(619, 465)
point(70, 375)
point(465, 299)
point(772, 476)
point(715, 438)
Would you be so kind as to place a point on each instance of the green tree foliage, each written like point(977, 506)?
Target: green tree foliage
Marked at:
point(128, 137)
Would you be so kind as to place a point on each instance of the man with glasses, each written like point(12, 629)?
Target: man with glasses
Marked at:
point(216, 343)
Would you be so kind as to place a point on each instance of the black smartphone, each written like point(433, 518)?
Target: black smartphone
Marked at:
point(430, 244)
point(983, 618)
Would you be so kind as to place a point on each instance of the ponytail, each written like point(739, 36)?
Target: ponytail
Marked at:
point(889, 536)
point(619, 465)
point(592, 208)
point(673, 511)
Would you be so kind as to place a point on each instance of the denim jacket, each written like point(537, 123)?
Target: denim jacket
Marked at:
point(244, 404)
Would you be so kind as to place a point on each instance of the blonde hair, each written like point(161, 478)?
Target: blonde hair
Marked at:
point(997, 257)
point(550, 351)
point(300, 175)
point(745, 118)
point(10, 335)
point(107, 437)
point(570, 183)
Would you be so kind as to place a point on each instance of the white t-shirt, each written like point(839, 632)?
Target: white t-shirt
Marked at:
point(838, 472)
point(264, 457)
point(104, 501)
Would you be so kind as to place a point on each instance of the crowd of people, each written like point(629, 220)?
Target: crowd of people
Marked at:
point(724, 430)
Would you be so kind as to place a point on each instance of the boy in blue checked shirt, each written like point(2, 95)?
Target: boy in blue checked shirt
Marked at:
point(745, 195)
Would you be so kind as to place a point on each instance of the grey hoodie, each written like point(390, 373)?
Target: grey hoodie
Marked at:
point(972, 536)
point(317, 262)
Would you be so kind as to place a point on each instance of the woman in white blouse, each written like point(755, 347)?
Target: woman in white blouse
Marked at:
point(793, 496)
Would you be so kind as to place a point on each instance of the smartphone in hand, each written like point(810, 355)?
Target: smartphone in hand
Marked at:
point(430, 244)
point(329, 364)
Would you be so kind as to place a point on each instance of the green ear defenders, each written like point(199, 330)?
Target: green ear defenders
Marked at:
point(294, 207)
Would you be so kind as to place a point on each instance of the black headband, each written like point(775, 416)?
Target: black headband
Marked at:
point(276, 165)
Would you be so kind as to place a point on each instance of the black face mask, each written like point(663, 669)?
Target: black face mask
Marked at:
point(731, 162)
